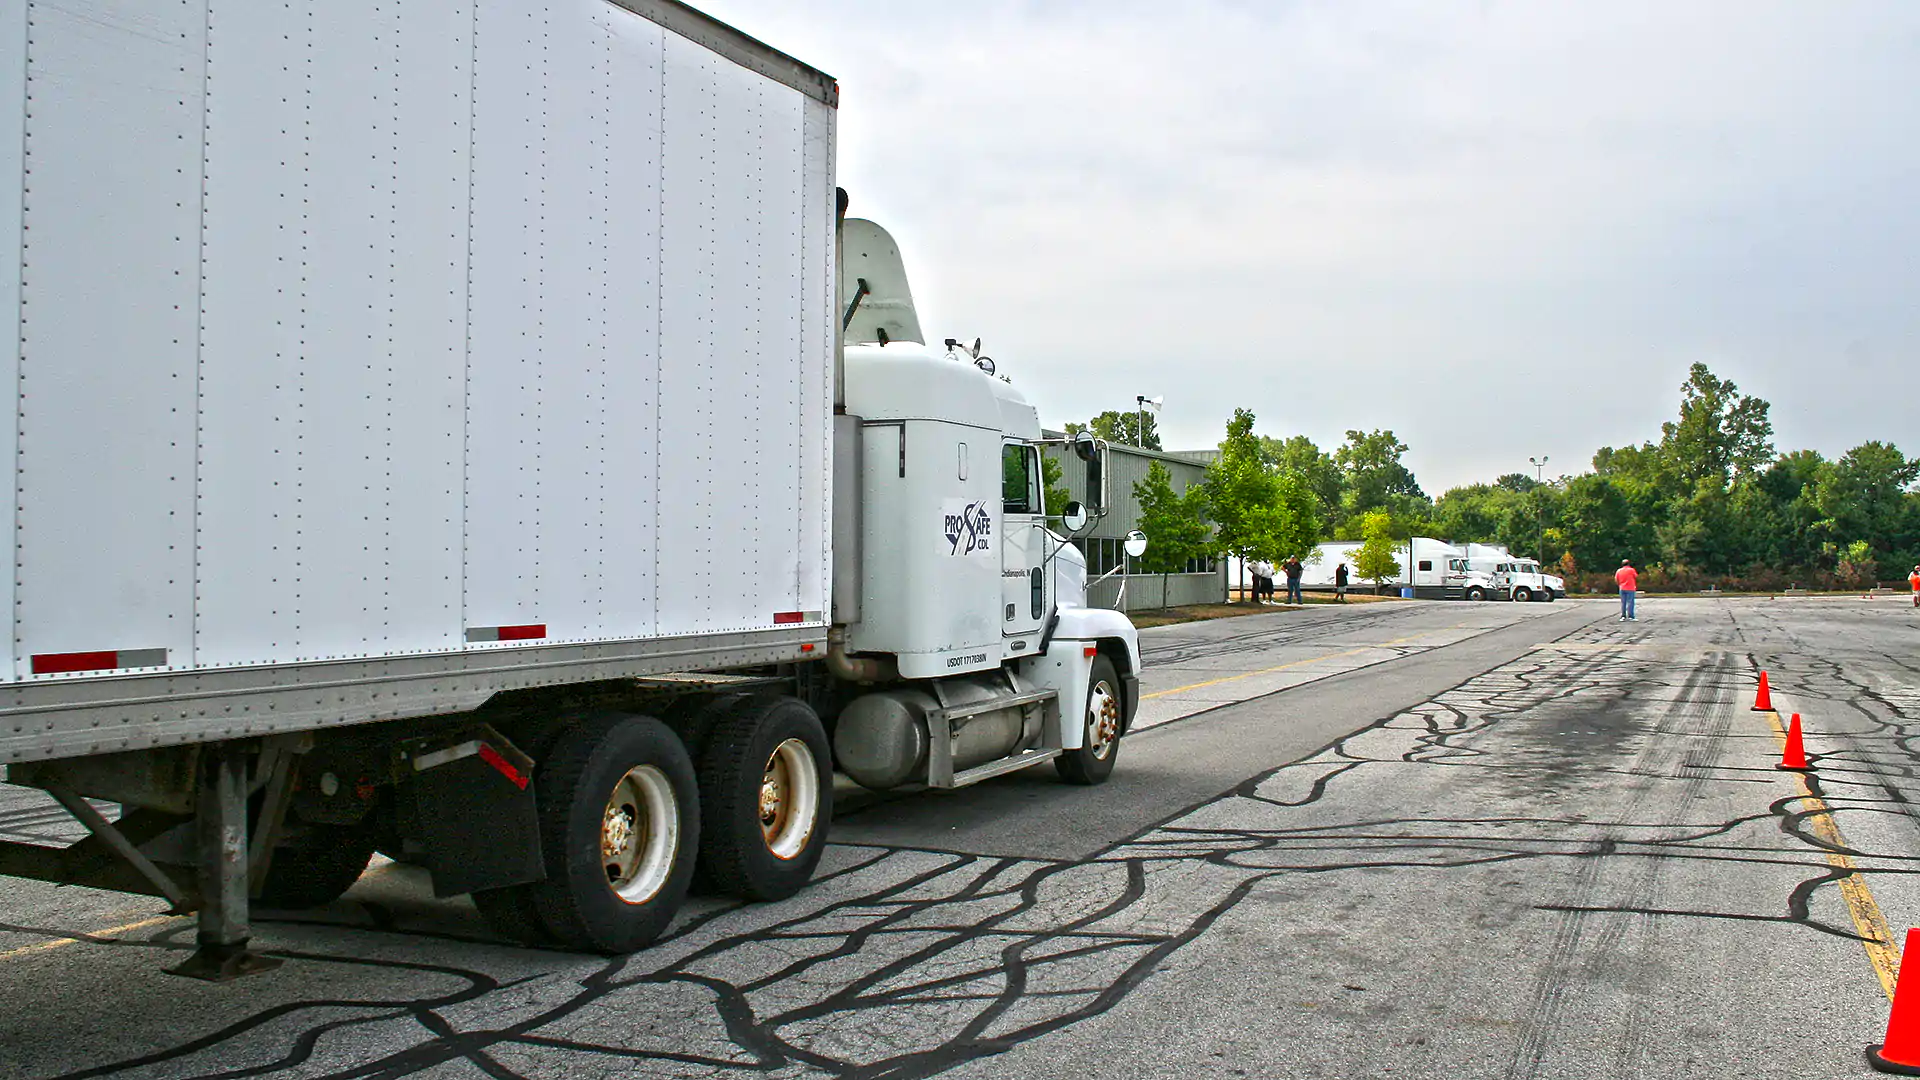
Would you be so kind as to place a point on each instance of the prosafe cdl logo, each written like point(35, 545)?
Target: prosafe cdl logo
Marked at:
point(969, 529)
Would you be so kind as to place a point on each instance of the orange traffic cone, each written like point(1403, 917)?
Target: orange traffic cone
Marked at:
point(1900, 1054)
point(1763, 701)
point(1795, 757)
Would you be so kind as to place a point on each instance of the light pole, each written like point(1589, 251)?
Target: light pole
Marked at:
point(1539, 511)
point(1140, 435)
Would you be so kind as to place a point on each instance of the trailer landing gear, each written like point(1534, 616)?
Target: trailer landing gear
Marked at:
point(221, 822)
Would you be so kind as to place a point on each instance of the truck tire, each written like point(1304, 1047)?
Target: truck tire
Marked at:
point(693, 718)
point(1093, 762)
point(1522, 595)
point(1552, 596)
point(1476, 594)
point(619, 828)
point(766, 798)
point(314, 866)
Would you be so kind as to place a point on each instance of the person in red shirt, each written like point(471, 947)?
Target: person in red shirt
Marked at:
point(1913, 579)
point(1629, 582)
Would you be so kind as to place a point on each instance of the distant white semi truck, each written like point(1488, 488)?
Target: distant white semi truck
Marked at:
point(1500, 574)
point(473, 431)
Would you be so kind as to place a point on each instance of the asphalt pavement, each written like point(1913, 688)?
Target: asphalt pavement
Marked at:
point(1405, 839)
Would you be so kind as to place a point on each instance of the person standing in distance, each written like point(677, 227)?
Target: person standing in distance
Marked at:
point(1340, 583)
point(1294, 570)
point(1629, 582)
point(1913, 579)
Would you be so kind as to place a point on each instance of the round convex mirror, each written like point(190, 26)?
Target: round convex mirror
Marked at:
point(1074, 517)
point(1136, 543)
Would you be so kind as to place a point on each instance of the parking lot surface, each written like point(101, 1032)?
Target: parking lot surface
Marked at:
point(1411, 839)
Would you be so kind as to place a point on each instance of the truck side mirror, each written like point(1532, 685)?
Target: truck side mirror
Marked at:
point(1136, 543)
point(1094, 453)
point(1085, 446)
point(1074, 517)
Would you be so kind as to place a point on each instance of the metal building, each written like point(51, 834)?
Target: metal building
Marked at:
point(1205, 581)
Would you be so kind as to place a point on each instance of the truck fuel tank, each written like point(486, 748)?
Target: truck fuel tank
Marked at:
point(882, 739)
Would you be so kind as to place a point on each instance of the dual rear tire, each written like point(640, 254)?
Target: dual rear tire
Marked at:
point(626, 815)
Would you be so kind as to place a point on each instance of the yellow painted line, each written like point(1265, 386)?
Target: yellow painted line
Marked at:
point(1875, 935)
point(1294, 664)
point(61, 943)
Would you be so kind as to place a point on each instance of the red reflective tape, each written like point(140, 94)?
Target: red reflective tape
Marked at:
point(807, 647)
point(523, 633)
point(492, 757)
point(785, 617)
point(1091, 650)
point(57, 663)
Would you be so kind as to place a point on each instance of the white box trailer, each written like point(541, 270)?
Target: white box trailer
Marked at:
point(434, 434)
point(1424, 562)
point(373, 340)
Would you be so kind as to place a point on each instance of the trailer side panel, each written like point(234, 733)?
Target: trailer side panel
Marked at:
point(357, 333)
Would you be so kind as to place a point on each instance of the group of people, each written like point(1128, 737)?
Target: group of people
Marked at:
point(1263, 574)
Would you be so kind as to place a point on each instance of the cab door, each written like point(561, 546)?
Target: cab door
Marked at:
point(1024, 599)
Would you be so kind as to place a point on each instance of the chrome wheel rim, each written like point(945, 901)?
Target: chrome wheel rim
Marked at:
point(639, 834)
point(1103, 719)
point(789, 799)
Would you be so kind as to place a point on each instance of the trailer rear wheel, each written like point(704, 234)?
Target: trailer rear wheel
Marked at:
point(1100, 741)
point(766, 785)
point(315, 865)
point(619, 826)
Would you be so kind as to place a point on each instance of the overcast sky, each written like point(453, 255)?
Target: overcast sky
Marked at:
point(1499, 229)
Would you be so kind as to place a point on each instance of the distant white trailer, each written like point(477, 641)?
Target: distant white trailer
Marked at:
point(1424, 563)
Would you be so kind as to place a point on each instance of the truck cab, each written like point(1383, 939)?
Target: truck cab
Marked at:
point(1508, 577)
point(963, 592)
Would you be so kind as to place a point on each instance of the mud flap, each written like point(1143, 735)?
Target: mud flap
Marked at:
point(471, 807)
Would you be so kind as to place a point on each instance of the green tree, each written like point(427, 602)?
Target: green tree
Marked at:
point(1257, 513)
point(1240, 494)
point(1375, 559)
point(1722, 435)
point(1121, 427)
point(1863, 496)
point(1372, 472)
point(1475, 513)
point(1301, 459)
point(1857, 566)
point(1175, 524)
point(1606, 522)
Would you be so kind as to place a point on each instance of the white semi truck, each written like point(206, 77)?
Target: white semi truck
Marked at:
point(1500, 574)
point(474, 431)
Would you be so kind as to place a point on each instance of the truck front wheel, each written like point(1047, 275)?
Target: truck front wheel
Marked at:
point(619, 826)
point(766, 786)
point(1100, 738)
point(1522, 594)
point(1476, 593)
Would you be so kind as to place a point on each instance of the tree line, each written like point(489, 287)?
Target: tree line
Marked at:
point(1710, 502)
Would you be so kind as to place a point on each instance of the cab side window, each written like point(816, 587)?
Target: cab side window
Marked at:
point(1019, 480)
